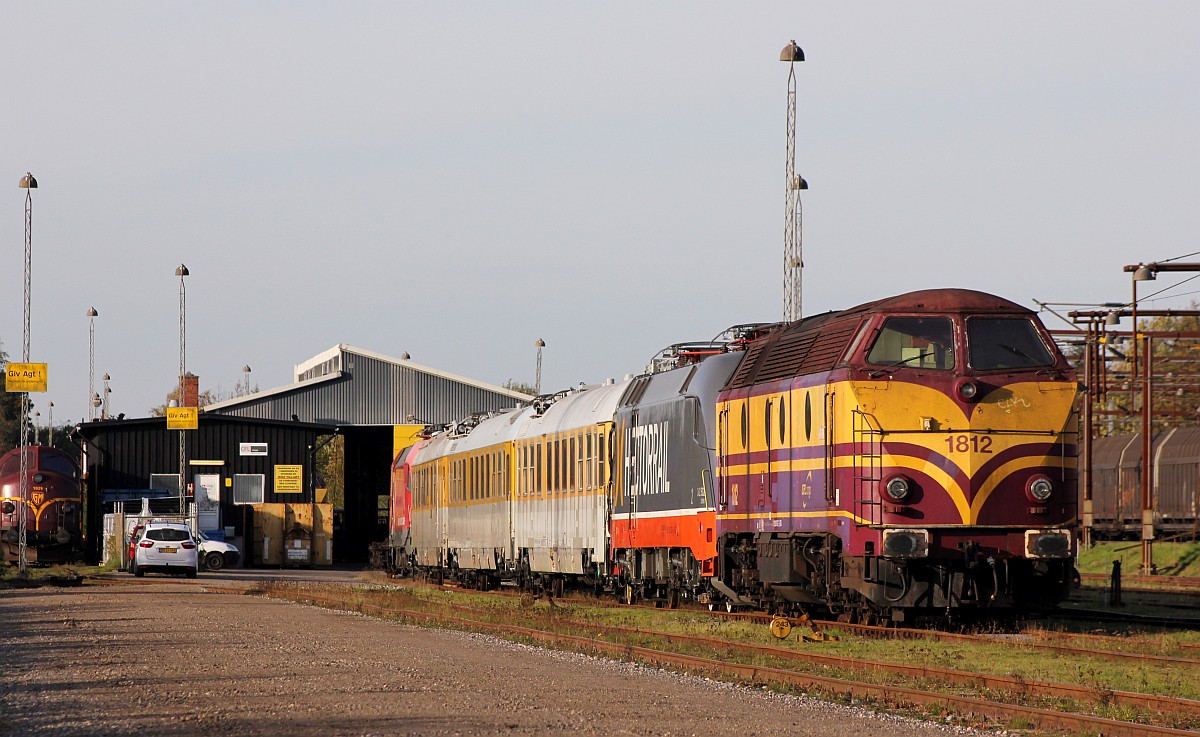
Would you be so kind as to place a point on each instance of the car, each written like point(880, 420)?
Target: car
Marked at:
point(166, 547)
point(216, 554)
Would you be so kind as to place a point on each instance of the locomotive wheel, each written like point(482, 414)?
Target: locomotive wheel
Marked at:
point(215, 561)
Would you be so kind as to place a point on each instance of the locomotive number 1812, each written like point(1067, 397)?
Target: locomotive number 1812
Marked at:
point(969, 444)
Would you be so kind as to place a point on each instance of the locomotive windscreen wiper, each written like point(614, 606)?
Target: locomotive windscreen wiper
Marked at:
point(888, 367)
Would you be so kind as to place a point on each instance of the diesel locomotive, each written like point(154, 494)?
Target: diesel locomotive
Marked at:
point(906, 458)
point(53, 507)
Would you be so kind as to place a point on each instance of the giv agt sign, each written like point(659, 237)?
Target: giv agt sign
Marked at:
point(183, 418)
point(26, 377)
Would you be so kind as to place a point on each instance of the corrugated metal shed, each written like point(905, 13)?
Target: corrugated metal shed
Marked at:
point(351, 386)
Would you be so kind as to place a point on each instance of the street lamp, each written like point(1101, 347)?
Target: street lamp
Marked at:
point(50, 424)
point(537, 381)
point(28, 183)
point(1148, 272)
point(181, 272)
point(246, 379)
point(37, 421)
point(92, 314)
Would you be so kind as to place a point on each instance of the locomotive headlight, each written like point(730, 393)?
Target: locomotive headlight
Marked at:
point(8, 508)
point(967, 390)
point(897, 488)
point(1039, 488)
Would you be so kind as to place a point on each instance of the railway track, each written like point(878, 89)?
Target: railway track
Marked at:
point(888, 632)
point(1142, 581)
point(893, 695)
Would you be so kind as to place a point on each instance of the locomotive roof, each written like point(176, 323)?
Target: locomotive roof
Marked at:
point(816, 344)
point(941, 300)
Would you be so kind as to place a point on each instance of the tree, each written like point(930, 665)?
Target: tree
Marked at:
point(206, 398)
point(331, 468)
point(520, 386)
point(10, 411)
point(1175, 377)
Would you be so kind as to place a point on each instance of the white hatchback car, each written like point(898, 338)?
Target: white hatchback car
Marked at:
point(217, 554)
point(167, 547)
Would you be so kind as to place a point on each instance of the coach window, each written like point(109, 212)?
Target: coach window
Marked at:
point(560, 466)
point(571, 465)
point(537, 468)
point(590, 460)
point(602, 459)
point(917, 342)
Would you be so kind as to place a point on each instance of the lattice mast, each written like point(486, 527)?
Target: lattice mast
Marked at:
point(793, 218)
point(28, 183)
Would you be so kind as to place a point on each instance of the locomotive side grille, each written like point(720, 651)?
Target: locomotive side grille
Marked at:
point(748, 368)
point(811, 348)
point(788, 356)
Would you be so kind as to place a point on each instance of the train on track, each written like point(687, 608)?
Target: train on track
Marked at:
point(908, 458)
point(1175, 481)
point(53, 507)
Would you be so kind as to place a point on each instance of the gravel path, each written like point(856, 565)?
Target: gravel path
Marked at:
point(166, 658)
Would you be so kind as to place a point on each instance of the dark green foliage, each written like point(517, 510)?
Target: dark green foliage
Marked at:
point(10, 412)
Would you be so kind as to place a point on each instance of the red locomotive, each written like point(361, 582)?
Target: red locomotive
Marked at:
point(53, 507)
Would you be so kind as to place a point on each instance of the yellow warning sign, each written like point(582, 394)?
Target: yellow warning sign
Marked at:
point(289, 479)
point(183, 418)
point(26, 377)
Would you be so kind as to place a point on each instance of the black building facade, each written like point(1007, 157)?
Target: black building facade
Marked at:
point(232, 463)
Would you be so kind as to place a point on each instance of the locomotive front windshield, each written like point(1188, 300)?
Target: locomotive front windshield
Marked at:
point(1005, 343)
point(919, 342)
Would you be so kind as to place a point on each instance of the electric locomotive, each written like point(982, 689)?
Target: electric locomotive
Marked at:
point(908, 457)
point(53, 507)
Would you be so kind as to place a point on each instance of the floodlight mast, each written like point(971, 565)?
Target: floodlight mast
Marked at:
point(793, 218)
point(28, 183)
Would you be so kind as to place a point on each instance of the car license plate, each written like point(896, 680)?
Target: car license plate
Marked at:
point(168, 550)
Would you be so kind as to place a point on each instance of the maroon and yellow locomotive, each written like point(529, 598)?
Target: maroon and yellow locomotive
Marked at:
point(52, 506)
point(908, 457)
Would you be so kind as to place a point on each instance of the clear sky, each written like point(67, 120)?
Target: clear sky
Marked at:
point(458, 180)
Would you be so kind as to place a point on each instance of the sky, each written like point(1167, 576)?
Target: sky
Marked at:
point(459, 180)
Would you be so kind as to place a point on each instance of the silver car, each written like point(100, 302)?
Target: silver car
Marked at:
point(166, 547)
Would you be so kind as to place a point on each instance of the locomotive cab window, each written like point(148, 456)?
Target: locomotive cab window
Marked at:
point(917, 342)
point(1005, 343)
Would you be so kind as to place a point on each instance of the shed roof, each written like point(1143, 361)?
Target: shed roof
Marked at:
point(350, 386)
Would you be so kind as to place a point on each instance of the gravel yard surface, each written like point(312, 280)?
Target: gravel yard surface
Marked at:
point(168, 658)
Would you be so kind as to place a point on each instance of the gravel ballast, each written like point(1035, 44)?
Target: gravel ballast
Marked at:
point(167, 658)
